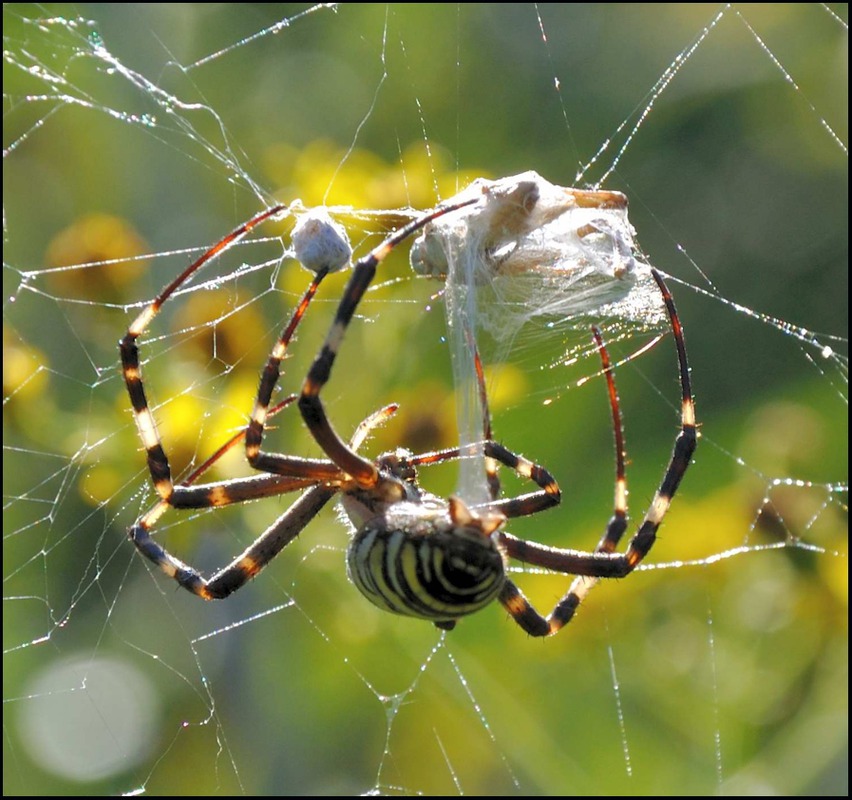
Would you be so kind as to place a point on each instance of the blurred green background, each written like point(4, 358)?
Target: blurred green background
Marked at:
point(728, 676)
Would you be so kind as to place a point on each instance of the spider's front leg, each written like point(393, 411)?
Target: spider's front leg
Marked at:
point(321, 246)
point(158, 462)
point(362, 470)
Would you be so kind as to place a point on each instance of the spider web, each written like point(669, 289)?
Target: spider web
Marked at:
point(136, 136)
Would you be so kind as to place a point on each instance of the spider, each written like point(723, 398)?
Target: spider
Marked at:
point(413, 553)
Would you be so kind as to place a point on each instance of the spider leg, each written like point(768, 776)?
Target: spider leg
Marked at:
point(494, 454)
point(218, 494)
point(513, 599)
point(582, 585)
point(237, 437)
point(278, 462)
point(548, 496)
point(158, 462)
point(252, 560)
point(238, 490)
point(362, 470)
point(618, 522)
point(604, 563)
point(549, 493)
point(243, 567)
point(491, 476)
point(288, 475)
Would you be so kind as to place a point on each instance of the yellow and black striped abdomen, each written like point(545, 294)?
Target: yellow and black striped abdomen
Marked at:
point(425, 568)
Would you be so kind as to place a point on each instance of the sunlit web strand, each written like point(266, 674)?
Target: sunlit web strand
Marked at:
point(658, 88)
point(271, 30)
point(789, 79)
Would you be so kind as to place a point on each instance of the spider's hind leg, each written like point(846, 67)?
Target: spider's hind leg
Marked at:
point(604, 562)
point(512, 599)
